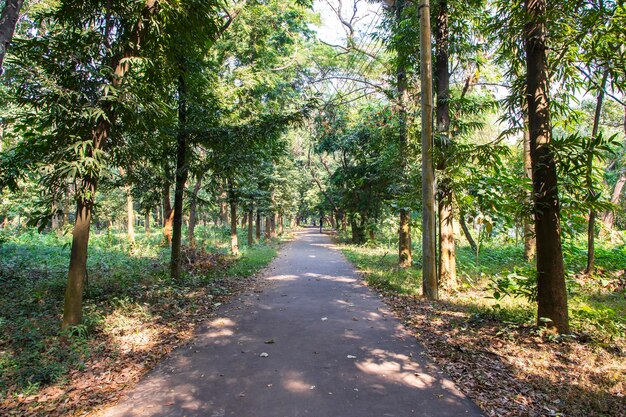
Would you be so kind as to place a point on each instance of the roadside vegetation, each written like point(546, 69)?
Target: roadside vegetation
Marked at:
point(134, 312)
point(484, 335)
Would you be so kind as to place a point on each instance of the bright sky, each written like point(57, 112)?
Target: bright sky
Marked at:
point(332, 30)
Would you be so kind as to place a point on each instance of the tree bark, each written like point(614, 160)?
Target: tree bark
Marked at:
point(447, 250)
point(146, 222)
point(552, 293)
point(591, 227)
point(130, 215)
point(429, 231)
point(182, 171)
point(405, 257)
point(529, 233)
point(250, 227)
point(193, 206)
point(268, 226)
point(8, 20)
point(234, 245)
point(258, 226)
point(273, 225)
point(85, 195)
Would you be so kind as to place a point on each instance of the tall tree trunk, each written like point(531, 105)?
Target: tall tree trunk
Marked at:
point(552, 293)
point(130, 215)
point(529, 233)
point(85, 195)
point(234, 245)
point(273, 225)
point(146, 222)
point(182, 171)
point(258, 225)
point(250, 227)
point(429, 231)
point(268, 226)
point(8, 20)
point(591, 227)
point(447, 250)
point(405, 257)
point(193, 206)
point(281, 224)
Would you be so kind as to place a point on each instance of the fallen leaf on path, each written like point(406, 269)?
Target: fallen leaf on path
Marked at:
point(264, 355)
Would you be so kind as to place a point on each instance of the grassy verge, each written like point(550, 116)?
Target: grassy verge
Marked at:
point(492, 348)
point(134, 314)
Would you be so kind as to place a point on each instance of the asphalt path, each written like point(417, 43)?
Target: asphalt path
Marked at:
point(312, 340)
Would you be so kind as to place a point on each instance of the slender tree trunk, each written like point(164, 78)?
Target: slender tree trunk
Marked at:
point(447, 252)
point(73, 310)
point(344, 222)
point(130, 215)
point(268, 226)
point(429, 231)
point(250, 227)
point(552, 293)
point(146, 222)
point(8, 20)
point(193, 206)
point(281, 224)
point(273, 225)
point(182, 171)
point(234, 245)
point(405, 257)
point(55, 217)
point(529, 233)
point(591, 227)
point(258, 226)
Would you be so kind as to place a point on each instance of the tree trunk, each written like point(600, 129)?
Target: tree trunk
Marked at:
point(234, 245)
point(447, 253)
point(273, 225)
point(146, 222)
point(72, 310)
point(182, 171)
point(552, 293)
point(8, 20)
point(404, 245)
point(281, 224)
point(268, 226)
point(130, 215)
point(591, 227)
point(73, 307)
point(405, 257)
point(193, 207)
point(447, 250)
point(258, 226)
point(250, 228)
point(529, 233)
point(429, 231)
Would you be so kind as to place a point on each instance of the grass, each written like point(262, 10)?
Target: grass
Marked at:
point(596, 308)
point(130, 306)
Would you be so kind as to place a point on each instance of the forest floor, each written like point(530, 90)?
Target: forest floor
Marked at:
point(491, 347)
point(134, 314)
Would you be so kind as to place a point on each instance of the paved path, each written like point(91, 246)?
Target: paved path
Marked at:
point(333, 350)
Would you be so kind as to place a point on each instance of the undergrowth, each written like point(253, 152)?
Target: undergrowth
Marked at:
point(128, 286)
